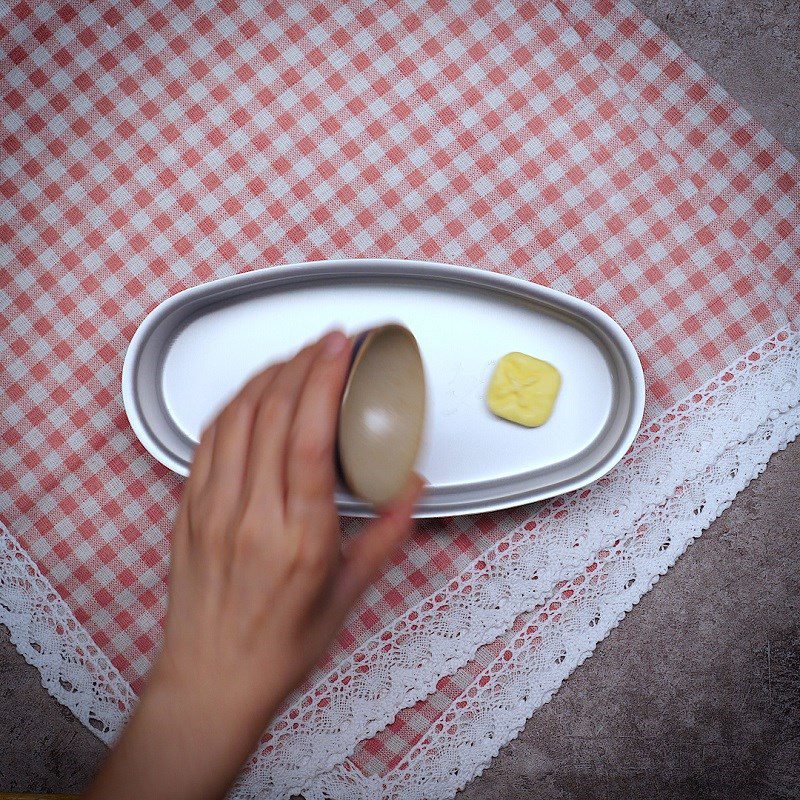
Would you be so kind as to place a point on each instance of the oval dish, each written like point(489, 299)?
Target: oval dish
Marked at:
point(196, 349)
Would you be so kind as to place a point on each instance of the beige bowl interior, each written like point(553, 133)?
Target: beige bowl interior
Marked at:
point(382, 414)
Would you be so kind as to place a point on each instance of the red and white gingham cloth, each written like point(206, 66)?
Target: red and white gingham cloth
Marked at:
point(150, 146)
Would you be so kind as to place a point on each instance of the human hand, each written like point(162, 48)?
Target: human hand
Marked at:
point(259, 584)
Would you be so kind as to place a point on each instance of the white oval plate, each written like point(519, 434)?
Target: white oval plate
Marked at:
point(197, 348)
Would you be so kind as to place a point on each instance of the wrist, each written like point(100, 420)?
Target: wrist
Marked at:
point(228, 692)
point(231, 697)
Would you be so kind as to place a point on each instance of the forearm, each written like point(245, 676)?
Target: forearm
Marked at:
point(181, 745)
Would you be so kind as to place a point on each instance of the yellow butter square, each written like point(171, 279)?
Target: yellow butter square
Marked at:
point(523, 389)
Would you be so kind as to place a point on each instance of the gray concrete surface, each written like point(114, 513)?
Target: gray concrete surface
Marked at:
point(696, 695)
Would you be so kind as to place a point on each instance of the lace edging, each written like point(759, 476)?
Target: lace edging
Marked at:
point(494, 708)
point(46, 633)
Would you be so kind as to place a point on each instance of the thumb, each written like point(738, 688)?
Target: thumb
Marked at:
point(370, 551)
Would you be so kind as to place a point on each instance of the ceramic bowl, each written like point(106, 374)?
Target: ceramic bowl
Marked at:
point(382, 414)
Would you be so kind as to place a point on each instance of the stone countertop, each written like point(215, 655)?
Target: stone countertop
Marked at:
point(697, 695)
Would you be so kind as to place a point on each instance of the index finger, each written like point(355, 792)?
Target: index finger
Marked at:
point(310, 474)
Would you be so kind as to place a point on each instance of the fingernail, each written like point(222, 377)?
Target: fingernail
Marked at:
point(334, 343)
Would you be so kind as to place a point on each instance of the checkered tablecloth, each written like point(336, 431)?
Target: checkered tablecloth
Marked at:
point(150, 146)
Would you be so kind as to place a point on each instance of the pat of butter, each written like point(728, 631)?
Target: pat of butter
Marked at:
point(523, 389)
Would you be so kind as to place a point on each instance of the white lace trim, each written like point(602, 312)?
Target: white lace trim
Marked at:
point(540, 654)
point(403, 663)
point(45, 632)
